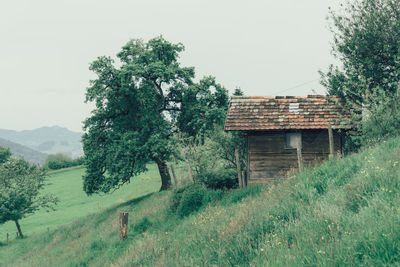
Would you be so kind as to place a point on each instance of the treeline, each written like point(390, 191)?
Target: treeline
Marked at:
point(60, 161)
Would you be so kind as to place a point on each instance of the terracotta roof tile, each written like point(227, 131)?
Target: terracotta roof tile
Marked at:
point(285, 112)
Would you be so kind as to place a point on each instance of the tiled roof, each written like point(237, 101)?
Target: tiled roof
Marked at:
point(285, 112)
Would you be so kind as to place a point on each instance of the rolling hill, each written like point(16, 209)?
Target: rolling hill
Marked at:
point(49, 140)
point(344, 212)
point(21, 151)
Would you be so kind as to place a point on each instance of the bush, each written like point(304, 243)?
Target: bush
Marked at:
point(60, 161)
point(221, 179)
point(192, 198)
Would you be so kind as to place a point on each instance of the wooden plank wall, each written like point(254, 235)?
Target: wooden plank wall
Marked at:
point(268, 156)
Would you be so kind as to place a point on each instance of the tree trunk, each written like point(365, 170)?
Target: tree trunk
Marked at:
point(19, 229)
point(164, 173)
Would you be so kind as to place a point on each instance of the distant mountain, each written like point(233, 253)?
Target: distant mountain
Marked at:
point(49, 140)
point(20, 151)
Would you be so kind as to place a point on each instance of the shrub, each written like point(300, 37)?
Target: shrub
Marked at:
point(60, 161)
point(220, 179)
point(191, 200)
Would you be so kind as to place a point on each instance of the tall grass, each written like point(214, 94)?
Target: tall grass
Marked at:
point(344, 212)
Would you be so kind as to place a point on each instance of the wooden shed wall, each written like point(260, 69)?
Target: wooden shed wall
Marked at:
point(268, 156)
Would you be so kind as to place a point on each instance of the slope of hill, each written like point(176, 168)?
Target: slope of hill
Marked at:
point(49, 140)
point(342, 213)
point(20, 151)
point(66, 184)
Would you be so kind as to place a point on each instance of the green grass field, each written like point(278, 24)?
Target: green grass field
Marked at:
point(74, 203)
point(343, 213)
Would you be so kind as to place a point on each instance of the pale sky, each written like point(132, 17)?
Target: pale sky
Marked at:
point(263, 46)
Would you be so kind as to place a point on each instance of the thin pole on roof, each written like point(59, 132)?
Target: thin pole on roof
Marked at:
point(296, 86)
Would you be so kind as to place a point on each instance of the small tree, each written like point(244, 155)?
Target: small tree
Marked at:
point(20, 186)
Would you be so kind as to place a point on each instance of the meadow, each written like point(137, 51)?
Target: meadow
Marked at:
point(343, 213)
point(67, 185)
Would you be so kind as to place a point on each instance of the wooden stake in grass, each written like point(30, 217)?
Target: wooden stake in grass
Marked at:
point(299, 155)
point(123, 225)
point(330, 134)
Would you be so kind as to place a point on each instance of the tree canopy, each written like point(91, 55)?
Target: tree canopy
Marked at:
point(140, 101)
point(20, 191)
point(367, 43)
point(5, 154)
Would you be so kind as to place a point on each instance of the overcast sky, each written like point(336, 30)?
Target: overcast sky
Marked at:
point(263, 46)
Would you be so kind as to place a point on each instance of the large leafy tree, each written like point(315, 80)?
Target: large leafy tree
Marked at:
point(140, 102)
point(366, 42)
point(20, 191)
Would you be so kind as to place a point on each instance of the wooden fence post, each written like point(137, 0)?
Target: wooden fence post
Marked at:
point(173, 175)
point(244, 182)
point(239, 174)
point(190, 170)
point(299, 155)
point(123, 225)
point(331, 145)
point(7, 238)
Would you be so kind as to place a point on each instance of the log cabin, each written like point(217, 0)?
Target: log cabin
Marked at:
point(278, 128)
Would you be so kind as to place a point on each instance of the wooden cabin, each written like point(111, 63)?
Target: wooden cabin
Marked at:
point(276, 126)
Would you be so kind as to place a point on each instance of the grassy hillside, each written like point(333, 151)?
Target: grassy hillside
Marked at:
point(343, 213)
point(74, 203)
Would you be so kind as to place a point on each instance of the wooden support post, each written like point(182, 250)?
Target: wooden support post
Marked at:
point(123, 225)
point(190, 171)
point(244, 182)
point(239, 173)
point(173, 175)
point(299, 154)
point(331, 145)
point(7, 238)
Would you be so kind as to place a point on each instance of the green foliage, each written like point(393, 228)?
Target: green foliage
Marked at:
point(192, 198)
point(5, 154)
point(381, 118)
point(213, 157)
point(366, 41)
point(219, 179)
point(138, 105)
point(60, 161)
point(188, 200)
point(20, 191)
point(204, 105)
